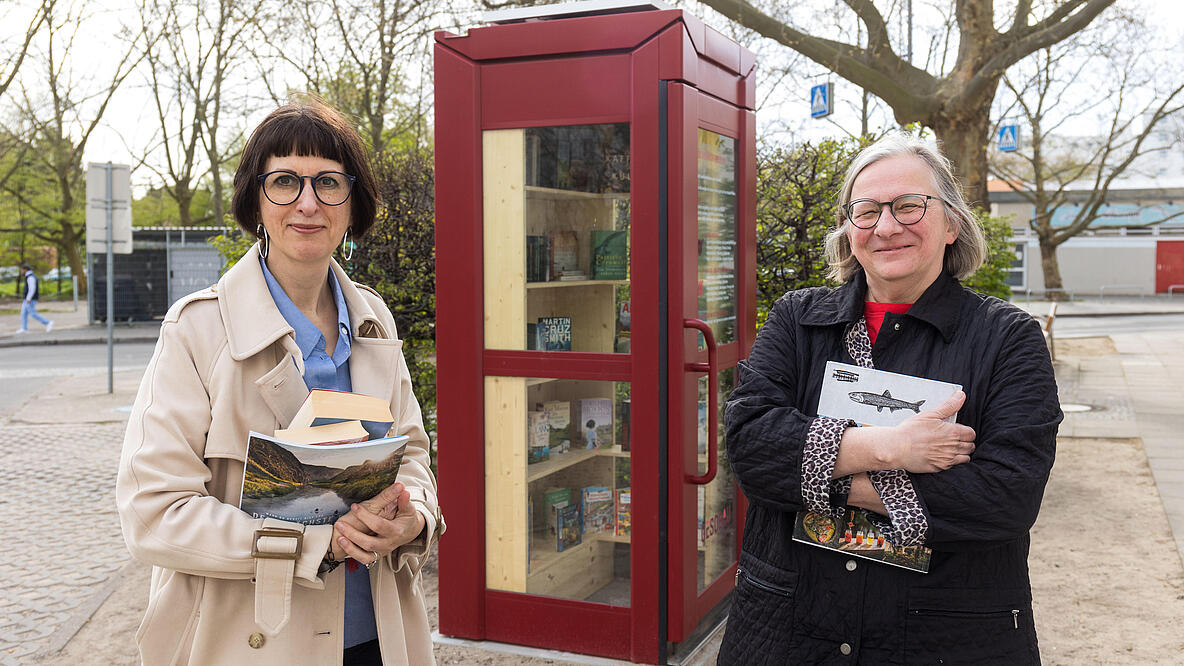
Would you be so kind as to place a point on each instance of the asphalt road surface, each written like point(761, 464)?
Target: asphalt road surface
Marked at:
point(26, 370)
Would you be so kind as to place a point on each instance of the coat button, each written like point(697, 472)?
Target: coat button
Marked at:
point(256, 640)
point(896, 326)
point(845, 648)
point(851, 565)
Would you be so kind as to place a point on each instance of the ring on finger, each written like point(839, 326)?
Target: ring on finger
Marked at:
point(374, 561)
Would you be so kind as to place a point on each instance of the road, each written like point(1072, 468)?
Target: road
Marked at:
point(1082, 327)
point(26, 370)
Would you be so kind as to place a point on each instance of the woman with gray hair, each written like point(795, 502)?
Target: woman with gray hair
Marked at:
point(968, 488)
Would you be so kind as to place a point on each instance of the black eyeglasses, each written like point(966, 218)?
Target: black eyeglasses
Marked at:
point(282, 187)
point(906, 209)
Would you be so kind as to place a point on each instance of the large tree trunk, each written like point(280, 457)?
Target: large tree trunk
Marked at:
point(962, 140)
point(1052, 270)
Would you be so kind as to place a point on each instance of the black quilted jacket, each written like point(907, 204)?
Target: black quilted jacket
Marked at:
point(799, 604)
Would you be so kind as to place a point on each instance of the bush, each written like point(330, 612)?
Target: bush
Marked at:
point(991, 278)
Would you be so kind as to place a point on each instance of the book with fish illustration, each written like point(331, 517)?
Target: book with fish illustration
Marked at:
point(878, 397)
point(870, 398)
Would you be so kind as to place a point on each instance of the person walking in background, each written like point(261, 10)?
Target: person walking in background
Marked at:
point(29, 304)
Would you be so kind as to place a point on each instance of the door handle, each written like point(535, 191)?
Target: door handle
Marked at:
point(712, 370)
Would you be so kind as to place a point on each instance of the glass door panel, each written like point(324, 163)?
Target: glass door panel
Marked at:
point(717, 234)
point(716, 506)
point(557, 238)
point(557, 488)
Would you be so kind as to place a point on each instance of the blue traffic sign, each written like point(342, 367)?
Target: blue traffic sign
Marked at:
point(822, 100)
point(1009, 138)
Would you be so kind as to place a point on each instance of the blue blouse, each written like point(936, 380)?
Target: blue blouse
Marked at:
point(323, 371)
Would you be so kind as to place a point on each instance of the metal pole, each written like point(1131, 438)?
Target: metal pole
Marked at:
point(909, 4)
point(110, 285)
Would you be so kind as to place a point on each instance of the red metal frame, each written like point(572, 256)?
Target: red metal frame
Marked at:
point(565, 72)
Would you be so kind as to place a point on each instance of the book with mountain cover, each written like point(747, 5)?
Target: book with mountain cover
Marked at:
point(315, 484)
point(610, 258)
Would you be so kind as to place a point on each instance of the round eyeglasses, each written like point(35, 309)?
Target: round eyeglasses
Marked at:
point(283, 187)
point(906, 209)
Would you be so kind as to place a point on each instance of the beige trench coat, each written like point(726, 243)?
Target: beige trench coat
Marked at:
point(227, 363)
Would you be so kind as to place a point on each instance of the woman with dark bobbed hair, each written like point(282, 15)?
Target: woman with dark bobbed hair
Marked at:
point(969, 490)
point(242, 355)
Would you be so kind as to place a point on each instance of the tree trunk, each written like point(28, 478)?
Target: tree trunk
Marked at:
point(963, 140)
point(1051, 270)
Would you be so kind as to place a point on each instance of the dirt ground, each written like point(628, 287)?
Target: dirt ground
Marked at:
point(1107, 579)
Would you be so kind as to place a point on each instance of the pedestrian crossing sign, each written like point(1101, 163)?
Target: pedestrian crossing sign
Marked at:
point(1009, 138)
point(822, 100)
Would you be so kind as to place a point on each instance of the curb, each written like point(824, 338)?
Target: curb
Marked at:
point(75, 341)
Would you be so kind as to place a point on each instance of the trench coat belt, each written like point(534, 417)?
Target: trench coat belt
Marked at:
point(276, 547)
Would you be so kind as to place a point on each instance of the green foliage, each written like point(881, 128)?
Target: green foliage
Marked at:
point(398, 259)
point(991, 278)
point(231, 245)
point(796, 195)
point(158, 209)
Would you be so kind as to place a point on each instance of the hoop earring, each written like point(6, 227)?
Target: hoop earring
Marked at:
point(346, 244)
point(264, 241)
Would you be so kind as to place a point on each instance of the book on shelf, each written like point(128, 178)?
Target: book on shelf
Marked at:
point(702, 426)
point(597, 507)
point(568, 527)
point(315, 484)
point(610, 257)
point(558, 417)
point(572, 276)
point(621, 329)
point(553, 334)
point(323, 407)
point(596, 422)
point(624, 510)
point(623, 423)
point(330, 434)
point(538, 258)
point(552, 499)
point(870, 398)
point(538, 433)
point(565, 253)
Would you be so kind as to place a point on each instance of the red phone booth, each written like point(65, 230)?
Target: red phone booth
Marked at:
point(595, 254)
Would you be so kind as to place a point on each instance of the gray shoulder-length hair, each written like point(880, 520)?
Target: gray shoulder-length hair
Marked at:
point(962, 258)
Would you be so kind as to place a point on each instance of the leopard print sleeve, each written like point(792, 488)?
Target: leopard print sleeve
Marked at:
point(908, 523)
point(818, 462)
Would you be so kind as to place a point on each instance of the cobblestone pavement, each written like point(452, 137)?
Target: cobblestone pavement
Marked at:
point(57, 510)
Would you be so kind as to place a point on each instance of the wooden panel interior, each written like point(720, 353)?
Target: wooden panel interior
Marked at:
point(504, 265)
point(505, 483)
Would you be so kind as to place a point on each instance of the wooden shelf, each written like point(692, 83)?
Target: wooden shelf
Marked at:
point(557, 462)
point(551, 284)
point(536, 192)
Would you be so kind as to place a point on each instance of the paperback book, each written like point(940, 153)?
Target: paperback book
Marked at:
point(624, 507)
point(558, 417)
point(323, 407)
point(554, 334)
point(598, 509)
point(565, 253)
point(610, 258)
point(553, 498)
point(538, 432)
point(596, 422)
point(568, 527)
point(870, 398)
point(315, 484)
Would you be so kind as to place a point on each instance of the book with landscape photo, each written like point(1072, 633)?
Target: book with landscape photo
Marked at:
point(323, 407)
point(552, 499)
point(558, 417)
point(598, 509)
point(870, 398)
point(539, 437)
point(315, 484)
